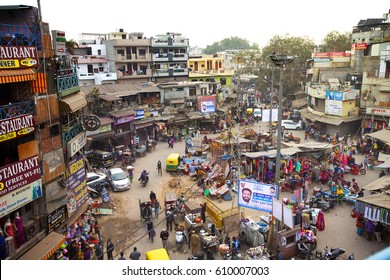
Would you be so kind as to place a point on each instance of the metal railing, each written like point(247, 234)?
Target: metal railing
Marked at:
point(17, 109)
point(70, 130)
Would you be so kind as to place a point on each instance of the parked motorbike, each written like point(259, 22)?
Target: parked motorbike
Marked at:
point(197, 257)
point(318, 202)
point(304, 251)
point(333, 253)
point(330, 198)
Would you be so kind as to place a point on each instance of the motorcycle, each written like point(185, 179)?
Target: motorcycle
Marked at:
point(317, 202)
point(358, 169)
point(197, 257)
point(144, 181)
point(304, 251)
point(333, 253)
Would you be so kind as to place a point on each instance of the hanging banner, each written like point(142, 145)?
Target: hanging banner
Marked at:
point(76, 183)
point(255, 195)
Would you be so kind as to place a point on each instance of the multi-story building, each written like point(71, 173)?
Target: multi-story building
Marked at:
point(93, 66)
point(129, 56)
point(371, 53)
point(332, 99)
point(43, 136)
point(210, 68)
point(169, 57)
point(31, 145)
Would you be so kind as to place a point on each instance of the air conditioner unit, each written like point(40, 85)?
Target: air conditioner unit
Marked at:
point(189, 103)
point(119, 130)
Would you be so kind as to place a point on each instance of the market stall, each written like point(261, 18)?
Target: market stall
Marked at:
point(249, 233)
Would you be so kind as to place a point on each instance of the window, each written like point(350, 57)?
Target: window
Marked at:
point(142, 52)
point(99, 52)
point(121, 52)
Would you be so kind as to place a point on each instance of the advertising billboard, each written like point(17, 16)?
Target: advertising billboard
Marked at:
point(206, 104)
point(334, 103)
point(255, 195)
point(76, 182)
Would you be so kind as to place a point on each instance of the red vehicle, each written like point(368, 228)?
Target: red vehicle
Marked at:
point(358, 169)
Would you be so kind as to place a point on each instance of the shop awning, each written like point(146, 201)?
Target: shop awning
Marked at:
point(73, 103)
point(307, 114)
point(106, 135)
point(16, 75)
point(272, 153)
point(45, 248)
point(299, 103)
point(378, 184)
point(380, 200)
point(381, 135)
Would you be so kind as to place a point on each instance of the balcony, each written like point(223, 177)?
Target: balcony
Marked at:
point(16, 35)
point(165, 57)
point(17, 109)
point(98, 78)
point(67, 82)
point(70, 130)
point(157, 42)
point(135, 75)
point(133, 58)
point(170, 72)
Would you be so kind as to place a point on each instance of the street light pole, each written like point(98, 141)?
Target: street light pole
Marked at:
point(272, 95)
point(280, 60)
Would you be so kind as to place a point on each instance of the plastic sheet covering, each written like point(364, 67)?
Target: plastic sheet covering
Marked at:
point(253, 237)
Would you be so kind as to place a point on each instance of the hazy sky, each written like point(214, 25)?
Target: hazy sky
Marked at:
point(207, 21)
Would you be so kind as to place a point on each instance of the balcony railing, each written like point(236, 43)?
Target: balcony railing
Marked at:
point(67, 82)
point(70, 130)
point(16, 35)
point(17, 109)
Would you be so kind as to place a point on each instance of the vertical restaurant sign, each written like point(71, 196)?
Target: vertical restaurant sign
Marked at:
point(76, 184)
point(18, 57)
point(19, 174)
point(12, 128)
point(56, 219)
point(252, 194)
point(13, 201)
point(59, 41)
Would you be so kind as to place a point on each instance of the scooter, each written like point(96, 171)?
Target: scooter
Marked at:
point(333, 253)
point(304, 251)
point(318, 202)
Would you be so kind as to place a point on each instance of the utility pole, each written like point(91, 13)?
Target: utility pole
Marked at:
point(271, 95)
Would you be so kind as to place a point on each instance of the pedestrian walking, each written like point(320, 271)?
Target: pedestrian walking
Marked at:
point(97, 228)
point(169, 219)
point(203, 212)
point(152, 197)
point(195, 242)
point(369, 228)
point(135, 255)
point(150, 230)
point(159, 167)
point(122, 256)
point(110, 249)
point(99, 251)
point(365, 162)
point(157, 208)
point(378, 232)
point(164, 234)
point(131, 175)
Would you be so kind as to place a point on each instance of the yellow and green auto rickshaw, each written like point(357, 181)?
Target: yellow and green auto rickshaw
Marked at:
point(157, 255)
point(173, 162)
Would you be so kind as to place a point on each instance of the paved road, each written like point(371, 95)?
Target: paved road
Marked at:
point(339, 231)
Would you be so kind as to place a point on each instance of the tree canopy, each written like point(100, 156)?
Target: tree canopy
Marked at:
point(334, 41)
point(232, 43)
